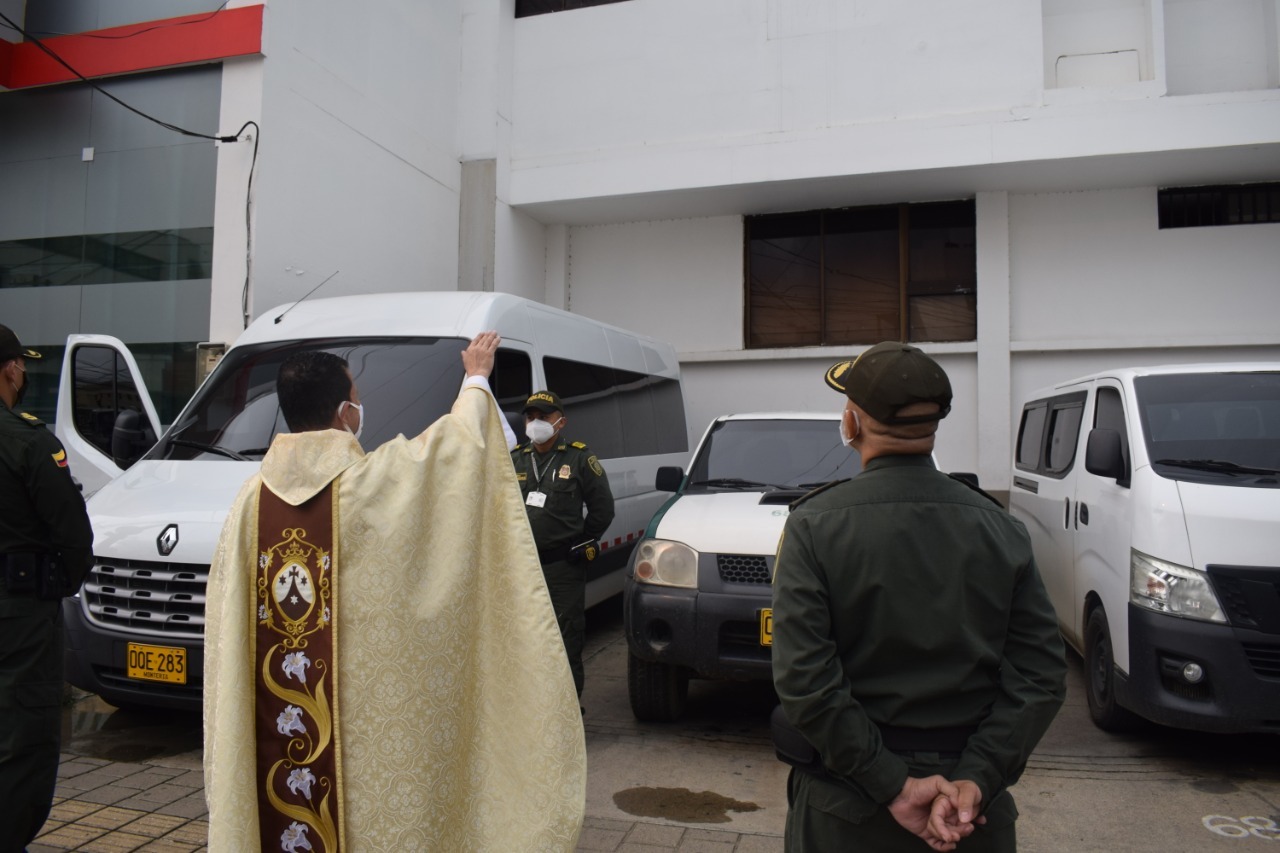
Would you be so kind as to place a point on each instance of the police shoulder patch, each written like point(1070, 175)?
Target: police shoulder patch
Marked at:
point(30, 418)
point(595, 465)
point(60, 459)
point(579, 445)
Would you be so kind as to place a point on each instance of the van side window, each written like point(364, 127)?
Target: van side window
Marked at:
point(102, 388)
point(619, 412)
point(1031, 434)
point(512, 379)
point(1064, 434)
point(1109, 414)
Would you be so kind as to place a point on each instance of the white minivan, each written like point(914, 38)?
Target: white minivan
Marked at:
point(1152, 496)
point(134, 633)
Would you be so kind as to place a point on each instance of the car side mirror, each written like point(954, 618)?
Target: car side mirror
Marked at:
point(1103, 455)
point(131, 436)
point(669, 478)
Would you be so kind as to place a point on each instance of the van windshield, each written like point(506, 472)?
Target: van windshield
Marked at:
point(404, 384)
point(775, 453)
point(1211, 427)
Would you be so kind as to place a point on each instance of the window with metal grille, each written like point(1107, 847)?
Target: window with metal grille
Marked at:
point(1235, 204)
point(903, 272)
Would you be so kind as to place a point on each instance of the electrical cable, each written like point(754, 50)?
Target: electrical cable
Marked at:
point(56, 58)
point(221, 6)
point(244, 295)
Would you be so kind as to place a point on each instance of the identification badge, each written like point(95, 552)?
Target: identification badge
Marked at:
point(536, 499)
point(565, 473)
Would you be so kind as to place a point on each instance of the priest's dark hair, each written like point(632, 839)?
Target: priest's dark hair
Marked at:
point(311, 385)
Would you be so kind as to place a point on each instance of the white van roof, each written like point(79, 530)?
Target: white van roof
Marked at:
point(411, 314)
point(1125, 374)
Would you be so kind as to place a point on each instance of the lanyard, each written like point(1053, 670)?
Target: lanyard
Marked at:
point(533, 463)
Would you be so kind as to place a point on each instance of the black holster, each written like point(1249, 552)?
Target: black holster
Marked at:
point(42, 574)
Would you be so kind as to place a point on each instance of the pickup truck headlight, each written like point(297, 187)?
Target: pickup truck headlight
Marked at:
point(659, 561)
point(1173, 589)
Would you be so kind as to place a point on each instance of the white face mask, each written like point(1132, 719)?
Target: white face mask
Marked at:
point(359, 410)
point(540, 432)
point(845, 438)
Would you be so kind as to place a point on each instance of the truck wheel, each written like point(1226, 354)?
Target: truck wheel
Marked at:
point(657, 690)
point(1099, 677)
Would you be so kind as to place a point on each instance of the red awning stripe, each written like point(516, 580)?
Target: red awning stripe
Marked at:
point(166, 43)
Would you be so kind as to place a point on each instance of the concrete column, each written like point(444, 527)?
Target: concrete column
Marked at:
point(477, 230)
point(994, 362)
point(557, 292)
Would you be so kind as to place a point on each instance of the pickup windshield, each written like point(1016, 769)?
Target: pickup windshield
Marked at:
point(405, 384)
point(767, 454)
point(1212, 427)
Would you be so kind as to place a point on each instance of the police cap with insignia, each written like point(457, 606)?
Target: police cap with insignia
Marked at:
point(543, 401)
point(11, 349)
point(890, 376)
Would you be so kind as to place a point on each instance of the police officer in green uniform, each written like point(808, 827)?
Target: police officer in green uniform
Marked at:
point(45, 552)
point(558, 479)
point(915, 647)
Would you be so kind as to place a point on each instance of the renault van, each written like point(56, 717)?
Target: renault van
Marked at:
point(157, 496)
point(698, 594)
point(1152, 496)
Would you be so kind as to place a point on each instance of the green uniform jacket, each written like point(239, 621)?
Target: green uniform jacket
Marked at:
point(903, 597)
point(41, 509)
point(571, 477)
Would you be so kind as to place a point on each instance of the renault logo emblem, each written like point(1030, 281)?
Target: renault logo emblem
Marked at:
point(167, 540)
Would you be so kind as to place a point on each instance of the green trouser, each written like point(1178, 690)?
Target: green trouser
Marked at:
point(30, 714)
point(567, 584)
point(826, 818)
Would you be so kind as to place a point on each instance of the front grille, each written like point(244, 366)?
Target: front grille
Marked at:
point(147, 598)
point(1249, 595)
point(1265, 659)
point(743, 568)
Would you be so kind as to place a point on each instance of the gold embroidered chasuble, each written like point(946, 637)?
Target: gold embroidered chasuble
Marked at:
point(458, 725)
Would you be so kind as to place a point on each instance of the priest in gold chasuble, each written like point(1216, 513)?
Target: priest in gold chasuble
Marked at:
point(383, 669)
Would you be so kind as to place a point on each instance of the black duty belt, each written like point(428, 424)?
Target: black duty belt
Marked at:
point(943, 740)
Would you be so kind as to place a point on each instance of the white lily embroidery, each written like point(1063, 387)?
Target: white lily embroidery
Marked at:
point(295, 666)
point(290, 720)
point(295, 838)
point(301, 780)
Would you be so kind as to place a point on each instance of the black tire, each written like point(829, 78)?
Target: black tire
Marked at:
point(657, 690)
point(1099, 678)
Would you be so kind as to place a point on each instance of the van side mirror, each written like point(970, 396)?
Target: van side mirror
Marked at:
point(1103, 455)
point(669, 478)
point(131, 436)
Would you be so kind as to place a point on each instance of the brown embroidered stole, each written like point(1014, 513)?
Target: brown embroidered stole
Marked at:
point(296, 708)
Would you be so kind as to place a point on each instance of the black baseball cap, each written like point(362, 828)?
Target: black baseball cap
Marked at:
point(890, 376)
point(10, 348)
point(543, 401)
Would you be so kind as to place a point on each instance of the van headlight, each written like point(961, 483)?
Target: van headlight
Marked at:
point(659, 561)
point(1173, 589)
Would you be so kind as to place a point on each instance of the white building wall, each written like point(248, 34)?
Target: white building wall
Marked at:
point(358, 167)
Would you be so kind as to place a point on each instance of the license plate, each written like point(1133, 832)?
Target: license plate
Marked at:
point(766, 626)
point(157, 663)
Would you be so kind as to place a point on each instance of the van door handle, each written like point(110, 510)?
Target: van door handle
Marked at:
point(1066, 518)
point(1082, 513)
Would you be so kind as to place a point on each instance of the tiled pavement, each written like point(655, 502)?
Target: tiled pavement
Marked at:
point(114, 807)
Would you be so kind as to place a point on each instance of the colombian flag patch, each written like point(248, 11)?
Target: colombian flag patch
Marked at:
point(60, 459)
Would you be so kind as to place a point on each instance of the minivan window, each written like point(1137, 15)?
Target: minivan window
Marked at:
point(1031, 434)
point(1109, 414)
point(619, 412)
point(783, 453)
point(102, 388)
point(405, 384)
point(1064, 430)
point(1212, 427)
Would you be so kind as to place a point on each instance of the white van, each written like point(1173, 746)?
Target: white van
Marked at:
point(135, 630)
point(1152, 496)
